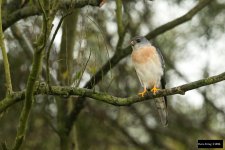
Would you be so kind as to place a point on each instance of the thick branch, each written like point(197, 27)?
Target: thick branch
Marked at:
point(122, 53)
point(32, 10)
point(66, 91)
point(134, 99)
point(18, 15)
point(35, 71)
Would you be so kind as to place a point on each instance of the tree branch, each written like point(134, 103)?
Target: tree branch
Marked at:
point(119, 17)
point(186, 17)
point(120, 24)
point(170, 63)
point(122, 53)
point(32, 10)
point(18, 15)
point(23, 40)
point(35, 71)
point(67, 91)
point(50, 46)
point(162, 131)
point(99, 113)
point(4, 55)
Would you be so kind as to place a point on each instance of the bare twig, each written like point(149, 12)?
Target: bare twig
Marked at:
point(82, 72)
point(23, 41)
point(51, 43)
point(121, 53)
point(188, 16)
point(171, 64)
point(47, 119)
point(155, 130)
point(101, 113)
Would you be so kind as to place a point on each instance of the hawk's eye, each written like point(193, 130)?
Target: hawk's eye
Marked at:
point(138, 40)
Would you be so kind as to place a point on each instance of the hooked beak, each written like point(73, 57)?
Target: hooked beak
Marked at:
point(132, 43)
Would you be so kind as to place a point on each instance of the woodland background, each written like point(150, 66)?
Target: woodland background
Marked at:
point(81, 50)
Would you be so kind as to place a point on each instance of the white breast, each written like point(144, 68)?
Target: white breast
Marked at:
point(148, 66)
point(149, 73)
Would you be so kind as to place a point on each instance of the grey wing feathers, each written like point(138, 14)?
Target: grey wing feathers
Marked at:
point(163, 85)
point(163, 80)
point(161, 103)
point(161, 59)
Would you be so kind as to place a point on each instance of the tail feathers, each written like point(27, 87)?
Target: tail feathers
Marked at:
point(162, 110)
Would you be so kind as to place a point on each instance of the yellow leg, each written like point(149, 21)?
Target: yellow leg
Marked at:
point(143, 93)
point(154, 90)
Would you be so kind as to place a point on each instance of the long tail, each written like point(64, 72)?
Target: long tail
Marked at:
point(161, 105)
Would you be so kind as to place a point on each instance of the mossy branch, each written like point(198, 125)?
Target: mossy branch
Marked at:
point(122, 53)
point(66, 91)
point(4, 55)
point(35, 71)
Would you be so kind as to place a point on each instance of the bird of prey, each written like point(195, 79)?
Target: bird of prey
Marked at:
point(149, 65)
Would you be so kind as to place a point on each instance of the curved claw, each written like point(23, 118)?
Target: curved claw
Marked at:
point(154, 90)
point(142, 93)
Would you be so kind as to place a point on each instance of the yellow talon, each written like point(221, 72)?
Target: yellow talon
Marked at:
point(142, 93)
point(154, 90)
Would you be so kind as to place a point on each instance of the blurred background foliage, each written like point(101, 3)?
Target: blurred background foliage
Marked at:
point(86, 40)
